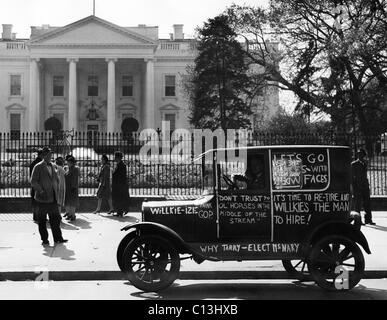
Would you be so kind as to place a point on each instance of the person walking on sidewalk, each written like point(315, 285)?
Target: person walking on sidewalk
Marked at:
point(34, 204)
point(120, 188)
point(59, 162)
point(44, 180)
point(104, 188)
point(361, 187)
point(72, 188)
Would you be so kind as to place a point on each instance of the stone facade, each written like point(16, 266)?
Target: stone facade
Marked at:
point(92, 74)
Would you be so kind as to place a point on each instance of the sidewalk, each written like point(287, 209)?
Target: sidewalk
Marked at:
point(93, 240)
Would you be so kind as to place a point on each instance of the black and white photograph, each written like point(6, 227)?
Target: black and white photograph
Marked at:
point(176, 152)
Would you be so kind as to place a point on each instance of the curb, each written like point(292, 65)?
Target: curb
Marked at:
point(184, 275)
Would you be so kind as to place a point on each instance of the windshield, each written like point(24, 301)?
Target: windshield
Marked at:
point(208, 179)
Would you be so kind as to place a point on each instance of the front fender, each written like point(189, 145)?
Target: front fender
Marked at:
point(337, 228)
point(167, 233)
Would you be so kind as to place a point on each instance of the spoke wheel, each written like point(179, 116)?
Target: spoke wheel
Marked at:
point(121, 248)
point(297, 269)
point(336, 263)
point(151, 263)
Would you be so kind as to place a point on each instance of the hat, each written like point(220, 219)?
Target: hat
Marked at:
point(71, 159)
point(118, 154)
point(39, 151)
point(45, 151)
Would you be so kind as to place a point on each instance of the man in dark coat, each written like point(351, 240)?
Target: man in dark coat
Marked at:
point(120, 188)
point(360, 186)
point(44, 180)
point(34, 205)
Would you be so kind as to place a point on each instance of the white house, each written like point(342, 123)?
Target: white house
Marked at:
point(92, 74)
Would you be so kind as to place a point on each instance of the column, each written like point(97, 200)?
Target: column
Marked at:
point(111, 100)
point(73, 108)
point(149, 108)
point(33, 110)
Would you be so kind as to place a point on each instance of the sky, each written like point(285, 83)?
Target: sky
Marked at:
point(23, 14)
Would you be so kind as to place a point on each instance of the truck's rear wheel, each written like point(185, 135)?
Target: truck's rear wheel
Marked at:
point(151, 262)
point(298, 269)
point(336, 263)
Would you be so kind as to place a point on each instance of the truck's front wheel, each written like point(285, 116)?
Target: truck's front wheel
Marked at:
point(152, 263)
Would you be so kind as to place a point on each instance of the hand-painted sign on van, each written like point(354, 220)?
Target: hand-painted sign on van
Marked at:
point(301, 170)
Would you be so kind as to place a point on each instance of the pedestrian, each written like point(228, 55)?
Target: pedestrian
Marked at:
point(72, 188)
point(120, 188)
point(44, 180)
point(34, 205)
point(104, 191)
point(360, 186)
point(59, 162)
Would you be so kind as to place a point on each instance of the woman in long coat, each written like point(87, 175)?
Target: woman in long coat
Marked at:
point(120, 187)
point(104, 188)
point(72, 188)
point(59, 162)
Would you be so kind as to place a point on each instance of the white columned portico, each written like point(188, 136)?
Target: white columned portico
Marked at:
point(34, 95)
point(149, 110)
point(111, 100)
point(73, 105)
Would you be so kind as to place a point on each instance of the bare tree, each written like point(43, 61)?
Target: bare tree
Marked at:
point(331, 54)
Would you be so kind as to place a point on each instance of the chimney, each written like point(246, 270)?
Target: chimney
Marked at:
point(34, 31)
point(7, 32)
point(178, 31)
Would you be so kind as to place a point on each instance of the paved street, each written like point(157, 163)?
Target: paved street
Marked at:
point(189, 290)
point(93, 241)
point(90, 255)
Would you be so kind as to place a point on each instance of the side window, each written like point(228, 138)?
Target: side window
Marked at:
point(250, 176)
point(300, 170)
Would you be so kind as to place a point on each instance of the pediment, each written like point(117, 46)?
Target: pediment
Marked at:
point(91, 31)
point(170, 107)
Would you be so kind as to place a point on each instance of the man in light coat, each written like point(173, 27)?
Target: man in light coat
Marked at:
point(44, 180)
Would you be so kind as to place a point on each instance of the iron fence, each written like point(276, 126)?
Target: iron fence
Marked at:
point(160, 177)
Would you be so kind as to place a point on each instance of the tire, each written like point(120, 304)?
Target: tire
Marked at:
point(152, 263)
point(331, 253)
point(121, 248)
point(298, 269)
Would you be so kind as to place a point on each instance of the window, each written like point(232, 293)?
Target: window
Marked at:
point(171, 117)
point(170, 86)
point(92, 86)
point(250, 176)
point(127, 86)
point(15, 126)
point(58, 86)
point(16, 85)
